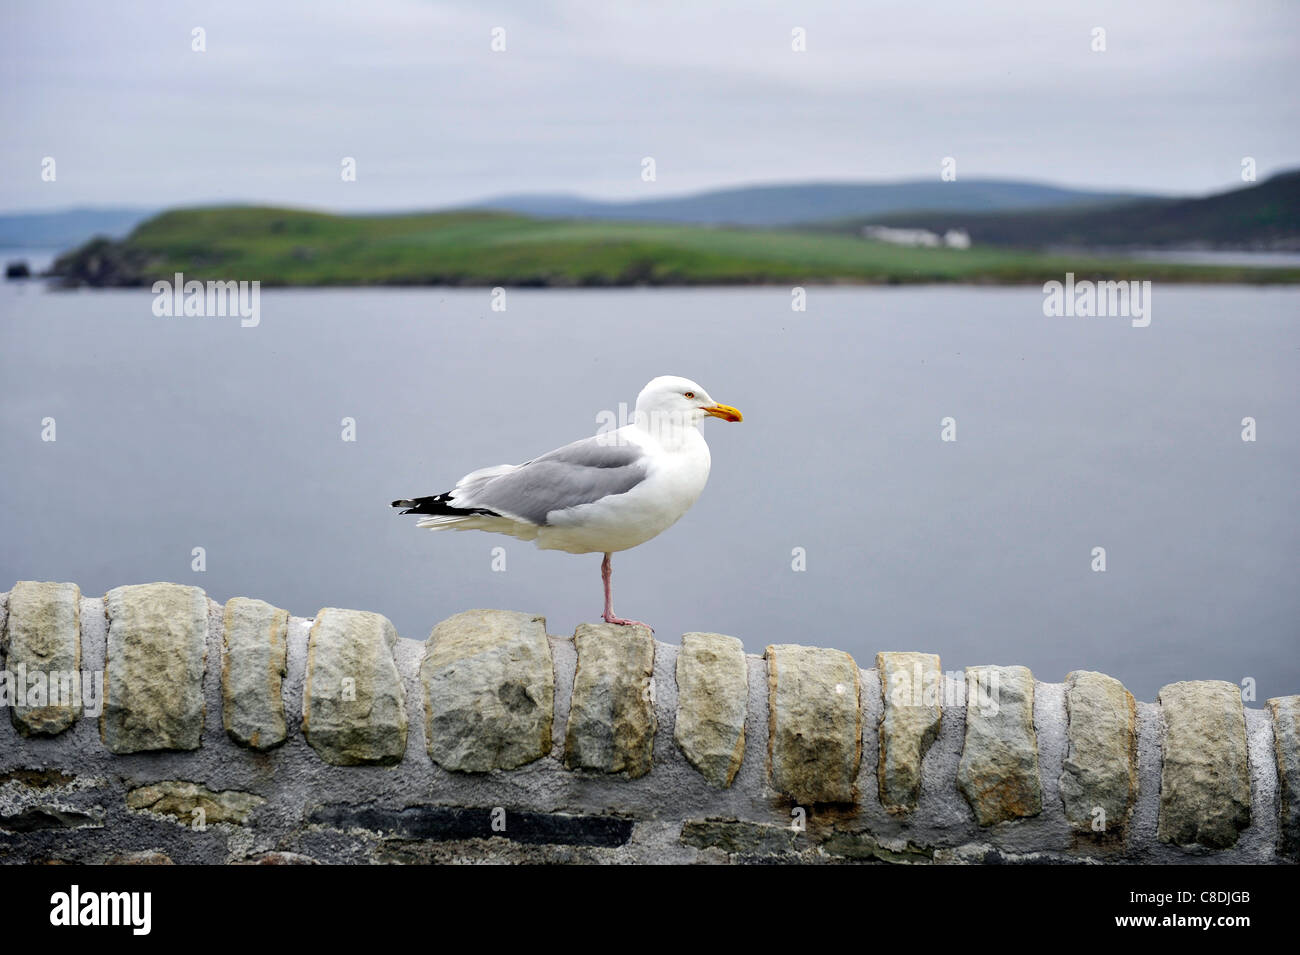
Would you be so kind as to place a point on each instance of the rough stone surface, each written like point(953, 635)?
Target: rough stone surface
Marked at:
point(63, 799)
point(1100, 768)
point(612, 723)
point(278, 858)
point(744, 841)
point(144, 857)
point(862, 846)
point(739, 837)
point(1285, 711)
point(255, 645)
point(998, 772)
point(1205, 775)
point(712, 702)
point(814, 723)
point(43, 637)
point(153, 687)
point(354, 704)
point(50, 815)
point(909, 724)
point(183, 800)
point(489, 690)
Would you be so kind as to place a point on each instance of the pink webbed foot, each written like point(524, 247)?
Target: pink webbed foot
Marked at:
point(610, 618)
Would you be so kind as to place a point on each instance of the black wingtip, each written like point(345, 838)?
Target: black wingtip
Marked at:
point(438, 505)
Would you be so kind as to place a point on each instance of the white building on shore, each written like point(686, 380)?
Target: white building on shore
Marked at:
point(918, 238)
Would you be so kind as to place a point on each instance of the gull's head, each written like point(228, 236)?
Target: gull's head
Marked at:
point(670, 398)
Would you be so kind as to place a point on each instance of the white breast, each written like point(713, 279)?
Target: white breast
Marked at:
point(675, 479)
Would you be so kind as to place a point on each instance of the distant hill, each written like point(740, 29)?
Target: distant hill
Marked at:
point(994, 212)
point(783, 205)
point(1261, 216)
point(478, 248)
point(68, 227)
point(747, 206)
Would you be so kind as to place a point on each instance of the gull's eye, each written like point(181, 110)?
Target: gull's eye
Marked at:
point(689, 394)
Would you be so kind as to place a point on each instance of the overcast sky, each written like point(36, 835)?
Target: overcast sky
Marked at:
point(584, 90)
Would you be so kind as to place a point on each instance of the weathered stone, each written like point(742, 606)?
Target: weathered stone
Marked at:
point(1285, 711)
point(189, 802)
point(489, 691)
point(353, 703)
point(754, 841)
point(1100, 768)
point(612, 723)
point(42, 644)
point(144, 857)
point(157, 648)
point(255, 644)
point(865, 845)
point(909, 723)
point(279, 858)
point(712, 701)
point(30, 818)
point(814, 723)
point(998, 772)
point(741, 837)
point(1205, 773)
point(38, 778)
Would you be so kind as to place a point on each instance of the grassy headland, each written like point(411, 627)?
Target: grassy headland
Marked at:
point(478, 248)
point(1265, 215)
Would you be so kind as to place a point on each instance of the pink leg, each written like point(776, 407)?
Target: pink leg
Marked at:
point(606, 572)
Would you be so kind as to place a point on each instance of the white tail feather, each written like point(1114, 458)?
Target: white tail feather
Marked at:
point(440, 521)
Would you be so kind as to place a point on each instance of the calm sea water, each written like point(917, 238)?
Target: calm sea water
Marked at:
point(1071, 433)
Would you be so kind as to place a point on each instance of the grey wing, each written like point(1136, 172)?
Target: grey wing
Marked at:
point(576, 474)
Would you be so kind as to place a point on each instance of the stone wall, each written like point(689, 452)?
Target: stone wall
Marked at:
point(243, 734)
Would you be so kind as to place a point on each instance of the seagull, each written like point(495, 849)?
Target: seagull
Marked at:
point(602, 494)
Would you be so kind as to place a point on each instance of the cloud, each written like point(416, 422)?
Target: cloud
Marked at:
point(584, 90)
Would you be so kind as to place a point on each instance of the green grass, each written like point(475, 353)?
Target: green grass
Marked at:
point(291, 247)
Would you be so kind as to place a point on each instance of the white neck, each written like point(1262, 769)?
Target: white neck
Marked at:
point(672, 431)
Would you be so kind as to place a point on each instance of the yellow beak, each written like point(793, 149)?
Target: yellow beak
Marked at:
point(725, 412)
